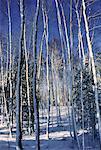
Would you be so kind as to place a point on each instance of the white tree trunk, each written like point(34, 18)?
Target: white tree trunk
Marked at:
point(45, 21)
point(80, 33)
point(93, 67)
point(3, 90)
point(36, 106)
point(10, 66)
point(27, 81)
point(18, 94)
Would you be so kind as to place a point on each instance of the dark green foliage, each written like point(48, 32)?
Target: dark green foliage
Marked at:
point(88, 99)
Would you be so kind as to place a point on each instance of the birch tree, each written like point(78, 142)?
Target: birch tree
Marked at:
point(80, 47)
point(45, 21)
point(36, 103)
point(27, 80)
point(10, 66)
point(3, 91)
point(93, 66)
point(18, 86)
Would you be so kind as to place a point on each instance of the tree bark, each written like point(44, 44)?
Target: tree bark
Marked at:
point(18, 88)
point(93, 67)
point(36, 103)
point(10, 66)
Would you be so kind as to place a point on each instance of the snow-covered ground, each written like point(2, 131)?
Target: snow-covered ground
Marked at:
point(59, 137)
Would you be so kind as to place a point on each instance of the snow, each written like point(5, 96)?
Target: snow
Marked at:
point(59, 137)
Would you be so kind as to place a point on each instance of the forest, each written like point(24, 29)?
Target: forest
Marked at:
point(50, 74)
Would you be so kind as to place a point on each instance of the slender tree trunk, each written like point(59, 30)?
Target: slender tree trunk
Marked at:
point(54, 93)
point(81, 76)
point(7, 63)
point(57, 96)
point(71, 73)
point(45, 21)
point(27, 81)
point(40, 55)
point(21, 111)
point(3, 91)
point(80, 33)
point(2, 115)
point(93, 67)
point(81, 91)
point(18, 88)
point(36, 103)
point(10, 66)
